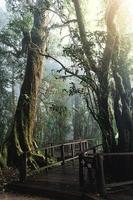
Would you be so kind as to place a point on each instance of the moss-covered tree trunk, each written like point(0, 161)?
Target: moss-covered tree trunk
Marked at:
point(123, 114)
point(21, 139)
point(101, 70)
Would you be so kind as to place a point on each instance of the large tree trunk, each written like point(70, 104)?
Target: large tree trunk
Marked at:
point(125, 123)
point(103, 76)
point(21, 138)
point(102, 71)
point(124, 103)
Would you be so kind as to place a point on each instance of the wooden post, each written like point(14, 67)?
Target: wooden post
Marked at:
point(100, 176)
point(52, 151)
point(46, 156)
point(73, 150)
point(94, 150)
point(62, 154)
point(87, 145)
point(81, 146)
point(81, 171)
point(85, 148)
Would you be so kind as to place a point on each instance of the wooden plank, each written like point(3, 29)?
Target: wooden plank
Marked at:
point(69, 143)
point(36, 171)
point(77, 142)
point(111, 154)
point(69, 159)
point(73, 150)
point(62, 154)
point(100, 176)
point(52, 151)
point(55, 146)
point(118, 184)
point(81, 172)
point(118, 154)
point(81, 146)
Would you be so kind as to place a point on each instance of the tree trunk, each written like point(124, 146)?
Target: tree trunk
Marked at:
point(102, 72)
point(13, 92)
point(125, 133)
point(21, 138)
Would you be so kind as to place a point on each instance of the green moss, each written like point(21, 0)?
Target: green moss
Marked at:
point(3, 156)
point(16, 141)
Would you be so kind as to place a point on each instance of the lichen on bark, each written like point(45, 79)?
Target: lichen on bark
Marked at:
point(21, 138)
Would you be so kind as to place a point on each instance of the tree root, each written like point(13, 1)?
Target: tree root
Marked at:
point(35, 161)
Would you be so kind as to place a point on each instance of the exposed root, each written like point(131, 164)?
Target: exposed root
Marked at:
point(35, 161)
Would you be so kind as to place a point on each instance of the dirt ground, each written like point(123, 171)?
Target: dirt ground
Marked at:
point(12, 196)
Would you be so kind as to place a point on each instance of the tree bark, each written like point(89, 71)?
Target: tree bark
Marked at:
point(101, 71)
point(21, 138)
point(125, 134)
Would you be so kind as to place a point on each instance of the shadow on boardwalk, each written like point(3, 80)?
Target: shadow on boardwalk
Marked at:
point(60, 182)
point(13, 196)
point(125, 193)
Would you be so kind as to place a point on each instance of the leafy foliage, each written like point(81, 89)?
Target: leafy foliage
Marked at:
point(53, 111)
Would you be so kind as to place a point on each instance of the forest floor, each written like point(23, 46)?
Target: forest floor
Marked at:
point(55, 178)
point(13, 196)
point(7, 175)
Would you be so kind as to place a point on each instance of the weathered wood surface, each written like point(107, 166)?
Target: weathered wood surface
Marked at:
point(68, 150)
point(60, 182)
point(14, 196)
point(119, 184)
point(122, 193)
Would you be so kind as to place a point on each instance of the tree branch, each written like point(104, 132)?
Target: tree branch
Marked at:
point(81, 77)
point(64, 24)
point(91, 110)
point(65, 68)
point(84, 41)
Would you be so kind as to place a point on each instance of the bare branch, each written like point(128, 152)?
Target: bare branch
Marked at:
point(65, 68)
point(63, 24)
point(87, 80)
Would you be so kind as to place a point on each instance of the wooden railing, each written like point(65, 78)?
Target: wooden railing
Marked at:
point(96, 166)
point(61, 153)
point(68, 151)
point(91, 162)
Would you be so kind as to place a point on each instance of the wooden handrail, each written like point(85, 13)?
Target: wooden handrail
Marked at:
point(61, 149)
point(111, 154)
point(73, 154)
point(94, 162)
point(118, 154)
point(69, 143)
point(96, 146)
point(99, 169)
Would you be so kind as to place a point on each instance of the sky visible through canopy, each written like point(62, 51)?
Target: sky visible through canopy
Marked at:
point(2, 4)
point(128, 4)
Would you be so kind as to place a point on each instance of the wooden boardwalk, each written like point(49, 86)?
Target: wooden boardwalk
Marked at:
point(60, 182)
